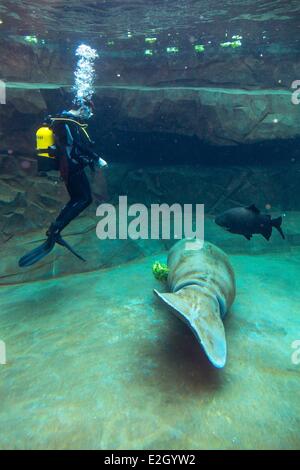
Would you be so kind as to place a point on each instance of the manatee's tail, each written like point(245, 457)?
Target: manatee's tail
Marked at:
point(202, 314)
point(277, 224)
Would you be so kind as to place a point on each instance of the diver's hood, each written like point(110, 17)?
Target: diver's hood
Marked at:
point(84, 113)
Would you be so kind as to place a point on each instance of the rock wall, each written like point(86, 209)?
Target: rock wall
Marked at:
point(261, 67)
point(191, 106)
point(217, 116)
point(29, 201)
point(220, 98)
point(214, 116)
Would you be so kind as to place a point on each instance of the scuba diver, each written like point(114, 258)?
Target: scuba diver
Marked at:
point(63, 144)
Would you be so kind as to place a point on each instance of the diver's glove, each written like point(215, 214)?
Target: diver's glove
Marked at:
point(102, 163)
point(52, 151)
point(99, 162)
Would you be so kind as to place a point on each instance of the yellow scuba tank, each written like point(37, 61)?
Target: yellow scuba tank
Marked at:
point(44, 139)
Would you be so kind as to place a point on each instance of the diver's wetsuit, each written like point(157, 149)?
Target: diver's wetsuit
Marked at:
point(74, 152)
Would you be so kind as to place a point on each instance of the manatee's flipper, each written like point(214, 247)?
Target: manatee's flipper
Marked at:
point(37, 254)
point(277, 224)
point(202, 314)
point(63, 242)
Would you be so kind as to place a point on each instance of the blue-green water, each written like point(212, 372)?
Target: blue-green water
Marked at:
point(195, 103)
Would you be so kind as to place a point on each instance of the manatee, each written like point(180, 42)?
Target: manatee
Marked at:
point(202, 284)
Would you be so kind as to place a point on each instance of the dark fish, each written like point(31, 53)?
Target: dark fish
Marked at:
point(248, 221)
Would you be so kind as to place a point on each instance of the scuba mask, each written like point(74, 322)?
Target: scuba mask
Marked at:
point(85, 112)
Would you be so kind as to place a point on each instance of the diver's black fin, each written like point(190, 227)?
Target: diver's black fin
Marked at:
point(43, 250)
point(253, 208)
point(277, 224)
point(63, 242)
point(36, 255)
point(247, 235)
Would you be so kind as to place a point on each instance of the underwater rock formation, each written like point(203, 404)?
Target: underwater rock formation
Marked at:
point(214, 115)
point(221, 97)
point(29, 201)
point(218, 116)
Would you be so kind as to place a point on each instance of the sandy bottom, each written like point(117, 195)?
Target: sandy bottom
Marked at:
point(95, 361)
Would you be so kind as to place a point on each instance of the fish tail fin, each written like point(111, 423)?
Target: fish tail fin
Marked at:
point(202, 315)
point(277, 224)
